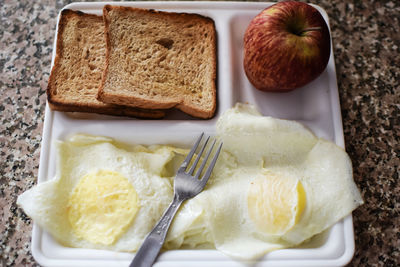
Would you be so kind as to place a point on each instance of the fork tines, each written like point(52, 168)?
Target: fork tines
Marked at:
point(189, 157)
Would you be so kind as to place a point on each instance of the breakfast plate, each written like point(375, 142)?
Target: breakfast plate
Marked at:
point(316, 105)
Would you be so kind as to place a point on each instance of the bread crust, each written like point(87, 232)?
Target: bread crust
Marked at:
point(147, 102)
point(68, 105)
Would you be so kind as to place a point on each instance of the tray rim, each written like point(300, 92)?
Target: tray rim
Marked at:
point(347, 222)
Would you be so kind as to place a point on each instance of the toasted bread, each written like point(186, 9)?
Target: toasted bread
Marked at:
point(78, 67)
point(159, 60)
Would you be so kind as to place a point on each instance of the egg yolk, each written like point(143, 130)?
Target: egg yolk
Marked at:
point(102, 206)
point(275, 204)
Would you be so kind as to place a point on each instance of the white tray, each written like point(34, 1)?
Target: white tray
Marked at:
point(316, 105)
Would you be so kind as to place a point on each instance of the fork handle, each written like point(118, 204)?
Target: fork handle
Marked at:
point(151, 246)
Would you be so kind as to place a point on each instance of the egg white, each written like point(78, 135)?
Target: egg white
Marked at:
point(46, 203)
point(253, 145)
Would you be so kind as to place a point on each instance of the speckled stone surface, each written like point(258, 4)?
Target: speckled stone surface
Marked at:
point(366, 40)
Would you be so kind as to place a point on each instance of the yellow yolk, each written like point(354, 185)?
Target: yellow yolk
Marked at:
point(275, 204)
point(102, 206)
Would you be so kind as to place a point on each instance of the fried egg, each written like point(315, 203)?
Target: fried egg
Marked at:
point(275, 185)
point(104, 196)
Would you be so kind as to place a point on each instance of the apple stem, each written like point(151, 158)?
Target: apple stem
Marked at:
point(310, 29)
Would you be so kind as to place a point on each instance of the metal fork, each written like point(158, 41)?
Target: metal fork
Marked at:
point(186, 185)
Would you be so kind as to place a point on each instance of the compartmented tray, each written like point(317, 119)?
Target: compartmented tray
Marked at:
point(316, 105)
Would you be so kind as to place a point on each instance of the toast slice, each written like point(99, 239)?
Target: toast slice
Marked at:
point(78, 67)
point(160, 60)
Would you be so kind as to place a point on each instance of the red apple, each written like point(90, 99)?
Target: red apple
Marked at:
point(286, 46)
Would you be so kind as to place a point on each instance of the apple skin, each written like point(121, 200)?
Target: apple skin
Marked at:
point(286, 46)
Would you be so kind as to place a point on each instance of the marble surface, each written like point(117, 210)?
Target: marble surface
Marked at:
point(366, 42)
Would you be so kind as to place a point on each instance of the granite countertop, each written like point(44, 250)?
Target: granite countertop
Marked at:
point(366, 44)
